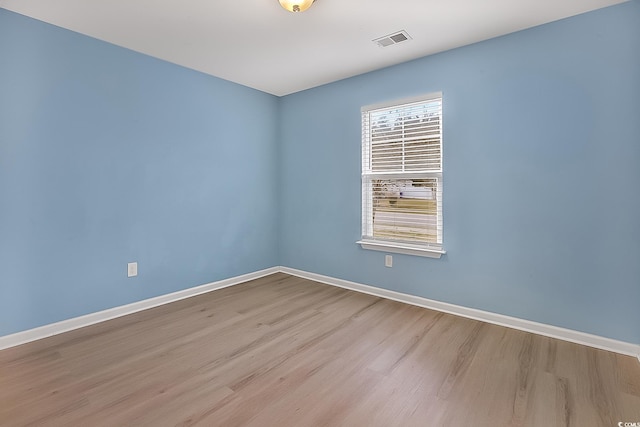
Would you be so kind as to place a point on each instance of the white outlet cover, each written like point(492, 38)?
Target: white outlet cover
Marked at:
point(132, 269)
point(388, 260)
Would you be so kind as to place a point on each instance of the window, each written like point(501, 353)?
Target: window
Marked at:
point(402, 177)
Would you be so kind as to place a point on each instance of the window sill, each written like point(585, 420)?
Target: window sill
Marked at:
point(401, 248)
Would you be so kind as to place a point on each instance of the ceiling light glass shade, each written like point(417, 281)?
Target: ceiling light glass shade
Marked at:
point(296, 5)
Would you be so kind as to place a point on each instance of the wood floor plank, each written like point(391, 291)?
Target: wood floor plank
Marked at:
point(285, 351)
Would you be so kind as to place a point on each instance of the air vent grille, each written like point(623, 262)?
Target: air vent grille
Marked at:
point(391, 39)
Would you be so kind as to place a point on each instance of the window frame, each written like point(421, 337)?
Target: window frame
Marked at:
point(425, 249)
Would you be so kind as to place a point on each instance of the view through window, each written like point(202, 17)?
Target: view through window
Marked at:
point(402, 172)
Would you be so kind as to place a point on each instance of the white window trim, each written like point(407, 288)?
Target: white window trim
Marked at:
point(402, 247)
point(400, 101)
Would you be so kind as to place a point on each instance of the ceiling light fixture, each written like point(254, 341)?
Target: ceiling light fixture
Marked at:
point(296, 5)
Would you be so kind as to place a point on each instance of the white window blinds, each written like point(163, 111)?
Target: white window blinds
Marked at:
point(402, 172)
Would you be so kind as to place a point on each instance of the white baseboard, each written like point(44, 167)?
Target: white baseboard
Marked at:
point(101, 316)
point(583, 338)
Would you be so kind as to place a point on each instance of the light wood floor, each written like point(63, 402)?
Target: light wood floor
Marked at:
point(284, 351)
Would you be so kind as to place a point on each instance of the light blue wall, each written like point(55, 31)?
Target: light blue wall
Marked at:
point(108, 156)
point(542, 175)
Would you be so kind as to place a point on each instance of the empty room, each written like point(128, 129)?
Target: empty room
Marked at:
point(320, 213)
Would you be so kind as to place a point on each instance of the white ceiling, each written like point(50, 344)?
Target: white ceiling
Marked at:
point(258, 44)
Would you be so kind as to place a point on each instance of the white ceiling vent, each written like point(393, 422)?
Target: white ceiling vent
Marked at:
point(391, 39)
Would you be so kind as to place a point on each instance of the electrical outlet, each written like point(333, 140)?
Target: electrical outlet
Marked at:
point(388, 261)
point(132, 269)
